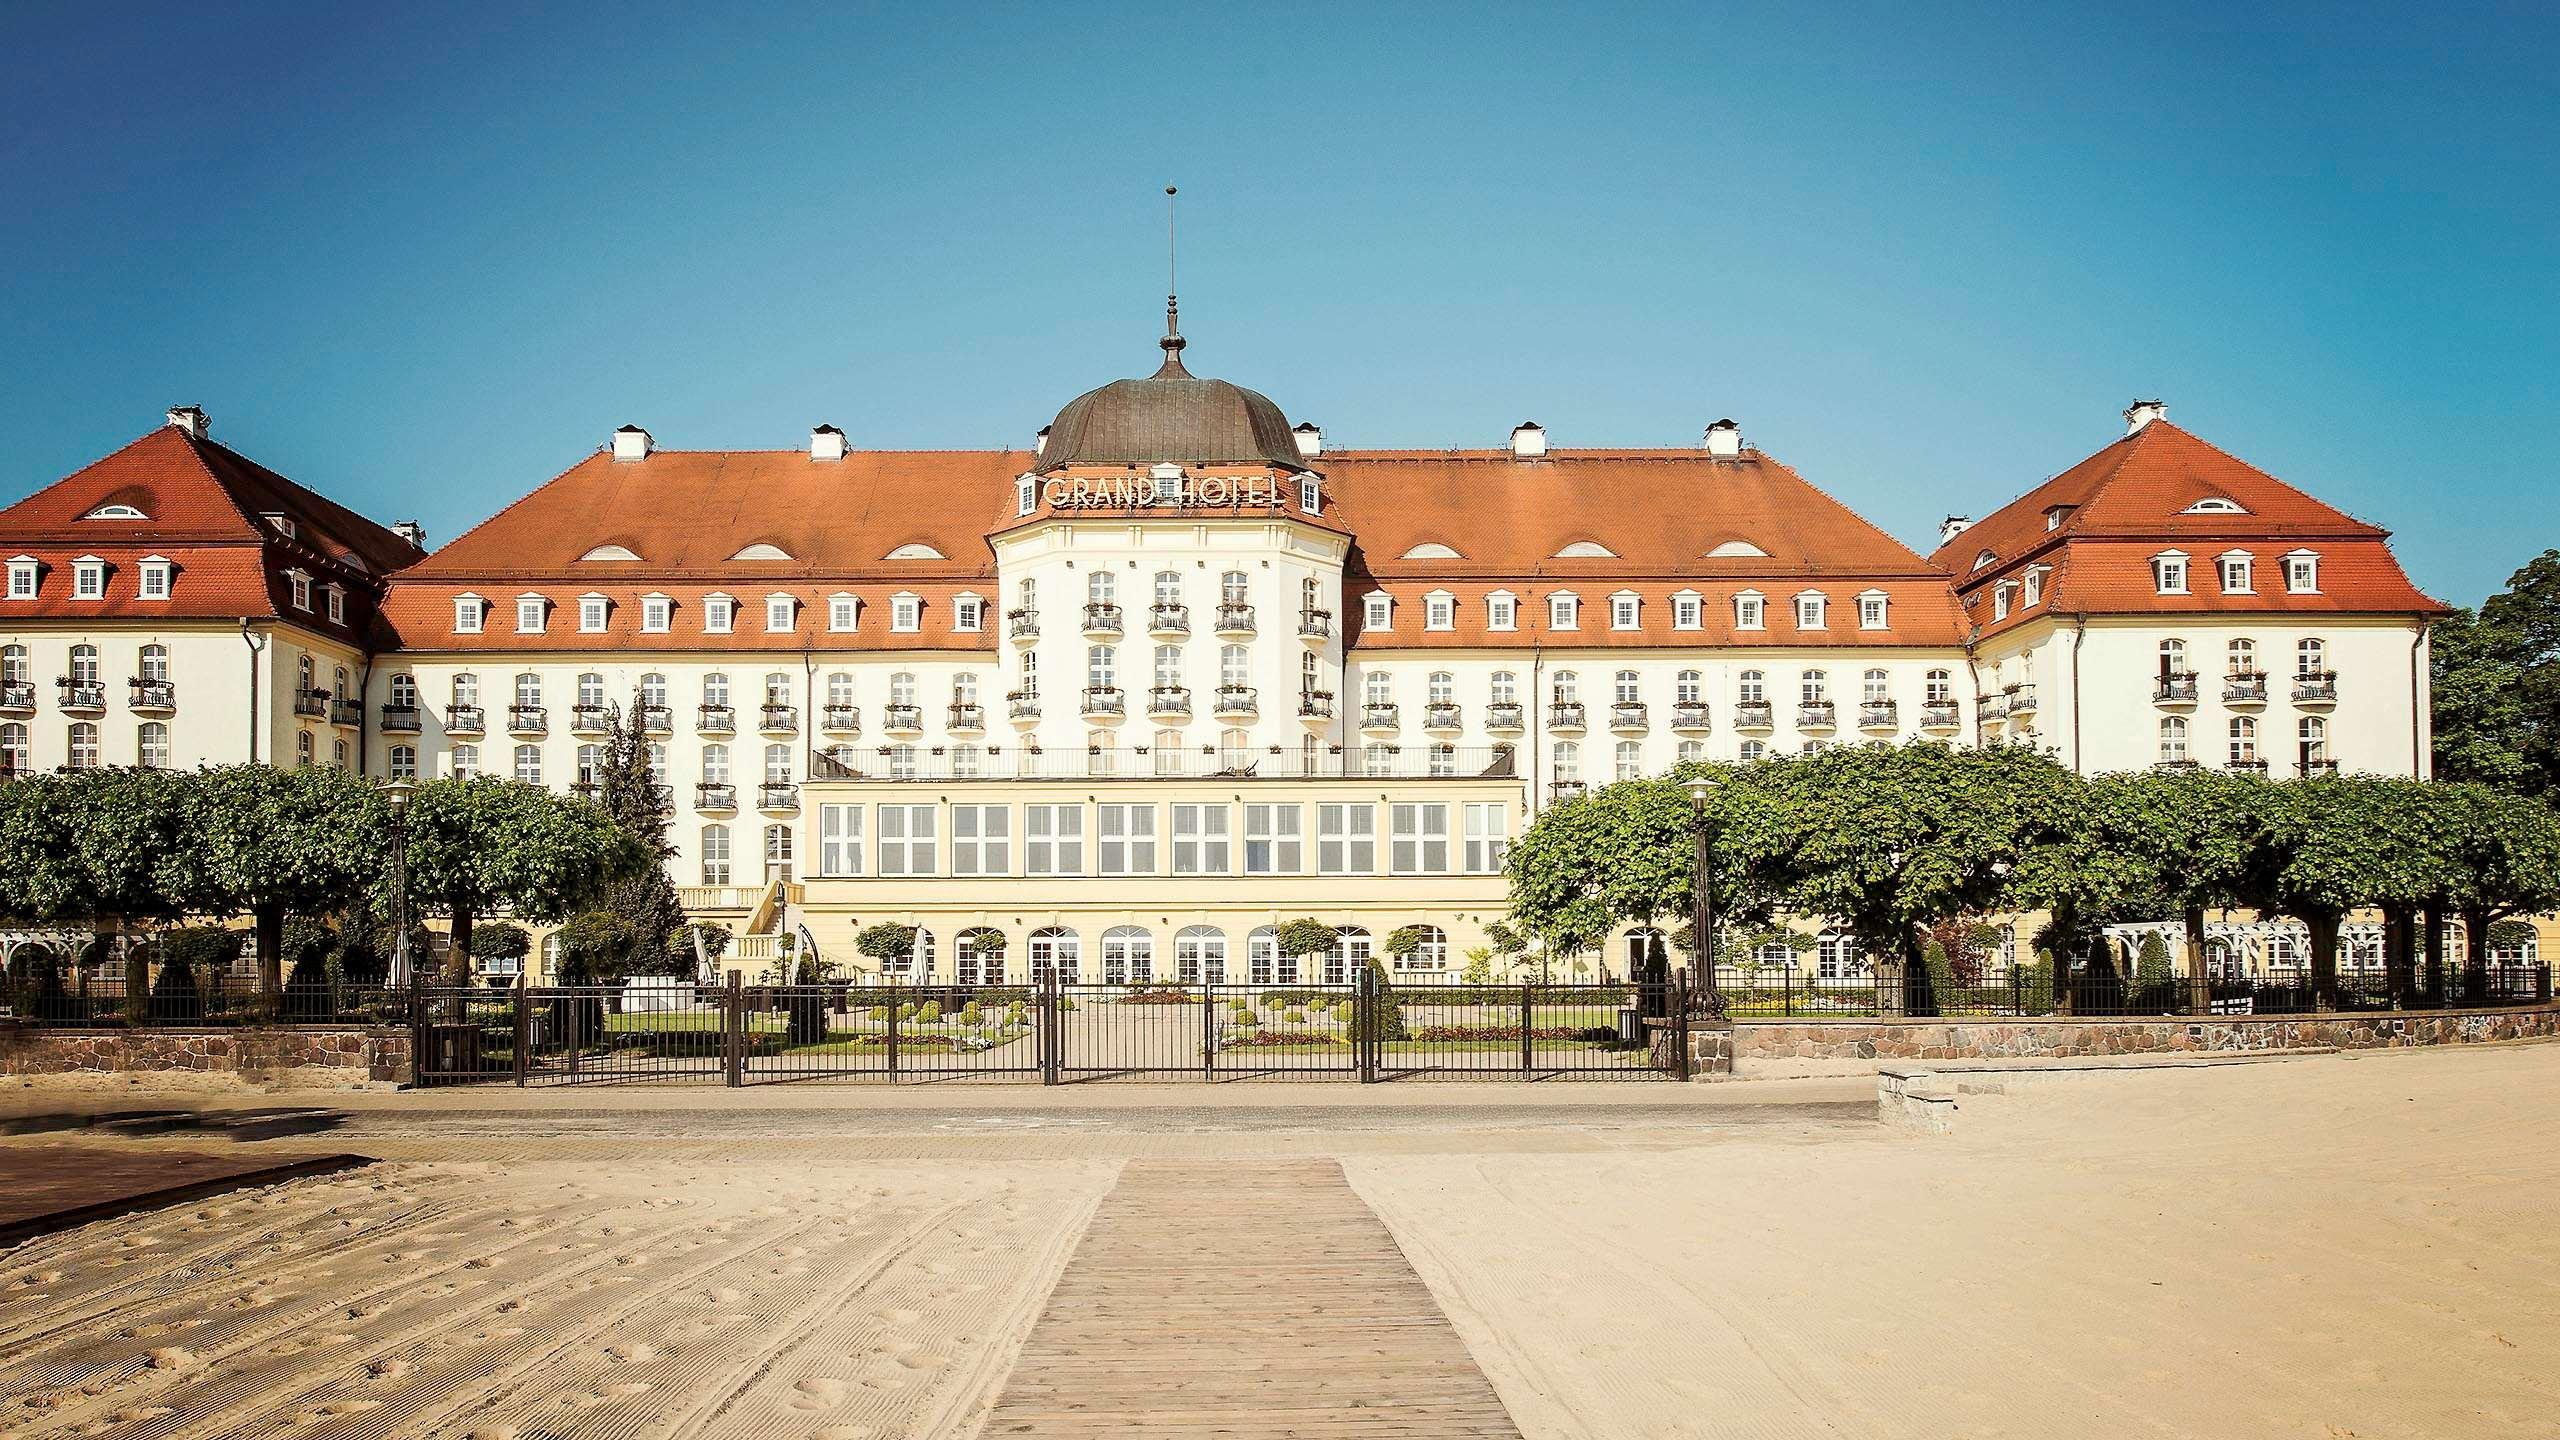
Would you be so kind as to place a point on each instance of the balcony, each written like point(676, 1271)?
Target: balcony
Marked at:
point(2022, 699)
point(347, 713)
point(400, 720)
point(1754, 715)
point(314, 703)
point(587, 790)
point(775, 719)
point(1689, 717)
point(1022, 624)
point(1169, 702)
point(589, 720)
point(2175, 687)
point(1443, 717)
point(18, 697)
point(1235, 621)
point(153, 697)
point(901, 718)
point(1565, 716)
point(840, 719)
point(1168, 620)
point(1105, 702)
point(1023, 705)
point(715, 795)
point(1315, 625)
point(465, 720)
point(716, 720)
point(1379, 717)
point(657, 720)
point(777, 795)
point(1505, 717)
point(1817, 715)
point(1941, 715)
point(1315, 704)
point(1563, 790)
point(2319, 766)
point(2244, 687)
point(1627, 717)
point(1102, 622)
point(1991, 707)
point(1236, 702)
point(965, 717)
point(2250, 766)
point(2317, 687)
point(2176, 766)
point(528, 720)
point(1879, 715)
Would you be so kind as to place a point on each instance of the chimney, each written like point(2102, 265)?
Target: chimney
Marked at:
point(632, 443)
point(1040, 442)
point(1310, 439)
point(2141, 413)
point(826, 442)
point(1528, 440)
point(192, 419)
point(1953, 526)
point(413, 532)
point(1724, 440)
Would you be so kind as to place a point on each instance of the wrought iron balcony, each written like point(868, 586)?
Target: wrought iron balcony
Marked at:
point(1168, 619)
point(1941, 715)
point(1563, 790)
point(840, 719)
point(1879, 714)
point(1169, 701)
point(716, 720)
point(1565, 715)
point(1315, 624)
point(465, 720)
point(1991, 707)
point(777, 795)
point(2249, 767)
point(657, 720)
point(1234, 620)
point(2178, 766)
point(528, 720)
point(1102, 700)
point(2319, 765)
point(899, 718)
point(1236, 702)
point(400, 720)
point(965, 716)
point(715, 795)
point(1023, 704)
point(1627, 715)
point(1101, 621)
point(2022, 699)
point(776, 719)
point(2244, 687)
point(2176, 687)
point(347, 713)
point(314, 703)
point(589, 719)
point(1022, 624)
point(2316, 687)
point(1754, 715)
point(1315, 704)
point(153, 695)
point(1443, 715)
point(1505, 717)
point(1689, 715)
point(1817, 715)
point(18, 697)
point(1378, 715)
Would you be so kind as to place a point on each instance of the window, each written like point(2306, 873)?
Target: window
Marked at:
point(1688, 687)
point(1432, 953)
point(1420, 838)
point(155, 579)
point(715, 764)
point(404, 762)
point(2000, 594)
point(1568, 762)
point(1128, 953)
point(1752, 751)
point(906, 837)
point(981, 839)
point(530, 611)
point(2302, 573)
point(779, 611)
point(1272, 840)
point(1125, 839)
point(466, 762)
point(1876, 687)
point(1488, 837)
point(2310, 658)
point(1750, 611)
point(528, 688)
point(591, 614)
point(1505, 688)
point(1563, 611)
point(1264, 964)
point(1810, 611)
point(719, 614)
point(2244, 656)
point(1751, 687)
point(1377, 611)
point(715, 690)
point(152, 745)
point(2235, 573)
point(657, 614)
point(1053, 839)
point(1101, 665)
point(906, 613)
point(1346, 839)
point(1440, 611)
point(22, 579)
point(777, 687)
point(468, 612)
point(301, 589)
point(301, 747)
point(528, 763)
point(2312, 735)
point(1235, 752)
point(777, 764)
point(1200, 839)
point(1940, 687)
point(2173, 739)
point(1816, 687)
point(1232, 588)
point(1629, 760)
point(2031, 586)
point(1200, 955)
point(153, 662)
point(1567, 687)
point(590, 764)
point(1100, 587)
point(968, 613)
point(1310, 494)
point(839, 839)
point(1235, 666)
point(1871, 611)
point(2244, 739)
point(591, 691)
point(1691, 752)
point(842, 611)
point(777, 852)
point(1625, 611)
point(1375, 689)
point(1026, 494)
point(1056, 953)
point(2169, 572)
point(1688, 611)
point(1501, 611)
point(15, 757)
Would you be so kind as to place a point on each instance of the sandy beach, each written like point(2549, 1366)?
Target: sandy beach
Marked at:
point(2335, 1246)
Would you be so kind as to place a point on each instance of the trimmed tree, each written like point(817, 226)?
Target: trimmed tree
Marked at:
point(481, 845)
point(2506, 853)
point(275, 842)
point(886, 943)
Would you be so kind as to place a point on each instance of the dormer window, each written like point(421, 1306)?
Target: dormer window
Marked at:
point(2031, 590)
point(155, 572)
point(2215, 505)
point(115, 512)
point(300, 584)
point(531, 611)
point(2000, 594)
point(1871, 610)
point(780, 614)
point(1310, 495)
point(1026, 494)
point(22, 577)
point(336, 596)
point(2235, 568)
point(1688, 611)
point(592, 612)
point(470, 612)
point(1564, 611)
point(1750, 611)
point(1626, 611)
point(1501, 611)
point(1812, 611)
point(968, 613)
point(906, 613)
point(2302, 573)
point(1439, 611)
point(1164, 483)
point(1983, 559)
point(843, 611)
point(2054, 515)
point(657, 614)
point(2169, 572)
point(89, 580)
point(719, 614)
point(1377, 611)
point(282, 525)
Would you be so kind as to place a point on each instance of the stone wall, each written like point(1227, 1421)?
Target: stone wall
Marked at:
point(346, 1056)
point(2059, 1036)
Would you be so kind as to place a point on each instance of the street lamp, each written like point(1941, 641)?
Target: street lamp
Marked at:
point(1702, 919)
point(397, 793)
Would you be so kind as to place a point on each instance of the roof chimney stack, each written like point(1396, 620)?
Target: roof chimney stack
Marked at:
point(1724, 440)
point(2141, 413)
point(1953, 526)
point(1310, 439)
point(192, 419)
point(632, 443)
point(413, 532)
point(826, 442)
point(1040, 442)
point(1528, 440)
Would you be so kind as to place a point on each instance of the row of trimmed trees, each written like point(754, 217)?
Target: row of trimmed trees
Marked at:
point(1890, 843)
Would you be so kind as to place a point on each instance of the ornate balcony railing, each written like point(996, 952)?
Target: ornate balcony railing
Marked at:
point(1022, 624)
point(1878, 714)
point(528, 720)
point(965, 715)
point(1105, 700)
point(1170, 701)
point(1379, 715)
point(1101, 620)
point(777, 795)
point(715, 795)
point(902, 718)
point(1235, 620)
point(1689, 715)
point(2244, 687)
point(401, 720)
point(589, 719)
point(1168, 619)
point(2249, 767)
point(159, 695)
point(1627, 715)
point(657, 719)
point(1236, 701)
point(1315, 624)
point(1754, 715)
point(465, 720)
point(1505, 716)
point(840, 719)
point(2022, 699)
point(778, 719)
point(313, 703)
point(17, 696)
point(1315, 704)
point(347, 713)
point(1023, 704)
point(2315, 687)
point(1563, 790)
point(1565, 715)
point(2177, 687)
point(1991, 707)
point(1443, 715)
point(1941, 715)
point(2319, 765)
point(1817, 715)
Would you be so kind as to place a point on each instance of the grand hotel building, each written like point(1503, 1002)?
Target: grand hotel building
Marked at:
point(1181, 672)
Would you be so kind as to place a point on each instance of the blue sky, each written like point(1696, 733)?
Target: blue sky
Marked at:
point(424, 263)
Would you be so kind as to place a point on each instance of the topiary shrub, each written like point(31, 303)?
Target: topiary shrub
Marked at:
point(930, 1013)
point(970, 1014)
point(1294, 1015)
point(808, 1006)
point(907, 1010)
point(1013, 1013)
point(1344, 1011)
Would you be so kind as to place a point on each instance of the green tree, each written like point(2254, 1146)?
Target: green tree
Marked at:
point(2324, 856)
point(2506, 861)
point(272, 842)
point(630, 790)
point(1301, 938)
point(886, 943)
point(2195, 837)
point(476, 846)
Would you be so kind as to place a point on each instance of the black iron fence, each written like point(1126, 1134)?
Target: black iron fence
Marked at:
point(2023, 992)
point(196, 998)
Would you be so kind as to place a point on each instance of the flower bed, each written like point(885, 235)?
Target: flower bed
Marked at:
point(1284, 1038)
point(1457, 1034)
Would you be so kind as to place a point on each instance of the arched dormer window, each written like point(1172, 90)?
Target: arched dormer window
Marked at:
point(762, 550)
point(915, 550)
point(610, 552)
point(1737, 550)
point(1432, 550)
point(1586, 550)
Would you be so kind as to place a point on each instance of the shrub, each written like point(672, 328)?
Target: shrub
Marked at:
point(970, 1014)
point(1294, 1015)
point(1066, 1002)
point(1242, 1009)
point(930, 1013)
point(1278, 1000)
point(2151, 963)
point(907, 1010)
point(1013, 1013)
point(1344, 1010)
point(499, 940)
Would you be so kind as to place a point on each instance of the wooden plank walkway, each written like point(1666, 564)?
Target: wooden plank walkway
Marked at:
point(1244, 1300)
point(44, 1188)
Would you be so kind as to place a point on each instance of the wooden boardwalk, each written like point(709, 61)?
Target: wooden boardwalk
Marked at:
point(1244, 1300)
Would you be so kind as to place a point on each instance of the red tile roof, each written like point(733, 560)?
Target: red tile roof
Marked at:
point(422, 612)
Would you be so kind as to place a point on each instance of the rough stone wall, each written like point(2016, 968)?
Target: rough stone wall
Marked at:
point(380, 1053)
point(2057, 1037)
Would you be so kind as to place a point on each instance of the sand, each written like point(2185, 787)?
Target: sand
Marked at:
point(2342, 1246)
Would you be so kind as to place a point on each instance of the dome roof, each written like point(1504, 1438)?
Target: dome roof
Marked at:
point(1171, 416)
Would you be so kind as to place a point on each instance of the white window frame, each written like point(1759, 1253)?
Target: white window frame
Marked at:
point(981, 839)
point(1377, 611)
point(1053, 839)
point(1488, 836)
point(840, 850)
point(2302, 572)
point(1750, 610)
point(1502, 611)
point(781, 614)
point(533, 614)
point(1419, 837)
point(1439, 611)
point(152, 578)
point(1688, 610)
point(1278, 828)
point(593, 611)
point(23, 577)
point(968, 613)
point(906, 612)
point(336, 596)
point(904, 839)
point(2238, 571)
point(1347, 838)
point(1875, 610)
point(89, 582)
point(1813, 610)
point(657, 614)
point(470, 612)
point(2169, 572)
point(1626, 611)
point(1201, 835)
point(719, 613)
point(1564, 611)
point(1124, 837)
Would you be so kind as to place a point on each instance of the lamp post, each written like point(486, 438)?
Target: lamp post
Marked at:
point(1702, 919)
point(397, 794)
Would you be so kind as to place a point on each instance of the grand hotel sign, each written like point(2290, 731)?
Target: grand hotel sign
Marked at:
point(1161, 492)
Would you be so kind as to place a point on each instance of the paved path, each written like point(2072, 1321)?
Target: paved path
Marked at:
point(1307, 1322)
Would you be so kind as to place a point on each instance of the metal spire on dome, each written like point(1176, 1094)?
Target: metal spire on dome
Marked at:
point(1172, 341)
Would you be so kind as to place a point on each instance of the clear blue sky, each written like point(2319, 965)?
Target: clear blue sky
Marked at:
point(425, 262)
